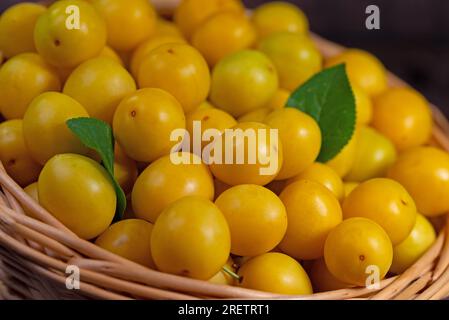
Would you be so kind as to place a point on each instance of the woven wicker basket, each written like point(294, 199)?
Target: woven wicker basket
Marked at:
point(34, 254)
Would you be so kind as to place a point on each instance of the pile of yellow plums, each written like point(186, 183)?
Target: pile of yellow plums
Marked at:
point(308, 227)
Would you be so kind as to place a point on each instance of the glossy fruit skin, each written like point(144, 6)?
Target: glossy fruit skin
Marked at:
point(191, 238)
point(143, 49)
point(364, 70)
point(414, 246)
point(353, 246)
point(222, 34)
point(250, 76)
point(279, 16)
point(300, 136)
point(374, 154)
point(17, 28)
point(139, 140)
point(364, 106)
point(424, 172)
point(256, 217)
point(211, 118)
point(385, 202)
point(164, 68)
point(260, 172)
point(22, 78)
point(14, 154)
point(349, 187)
point(125, 169)
point(192, 13)
point(99, 75)
point(258, 115)
point(343, 162)
point(44, 126)
point(110, 53)
point(277, 273)
point(78, 192)
point(164, 182)
point(279, 100)
point(404, 116)
point(167, 28)
point(222, 277)
point(322, 279)
point(68, 47)
point(130, 239)
point(324, 175)
point(295, 57)
point(313, 211)
point(128, 22)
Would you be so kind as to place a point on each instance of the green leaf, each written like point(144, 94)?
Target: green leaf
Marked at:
point(97, 135)
point(328, 98)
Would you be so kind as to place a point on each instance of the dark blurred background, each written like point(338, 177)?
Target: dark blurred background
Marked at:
point(413, 41)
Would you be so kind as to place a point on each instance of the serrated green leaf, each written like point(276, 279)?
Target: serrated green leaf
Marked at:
point(329, 99)
point(97, 135)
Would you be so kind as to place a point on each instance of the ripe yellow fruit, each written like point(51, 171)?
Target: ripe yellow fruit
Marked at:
point(108, 52)
point(252, 163)
point(279, 100)
point(364, 106)
point(64, 46)
point(165, 68)
point(191, 13)
point(414, 246)
point(140, 53)
point(250, 76)
point(313, 211)
point(222, 277)
point(295, 57)
point(256, 217)
point(125, 169)
point(128, 22)
point(164, 182)
point(424, 172)
point(44, 126)
point(364, 70)
point(22, 78)
point(300, 136)
point(322, 279)
point(349, 187)
point(99, 85)
point(275, 272)
point(257, 115)
point(403, 115)
point(167, 28)
point(355, 249)
point(343, 162)
point(386, 202)
point(14, 154)
point(279, 16)
point(78, 192)
point(324, 175)
point(222, 34)
point(191, 238)
point(373, 156)
point(210, 118)
point(17, 28)
point(144, 121)
point(130, 239)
